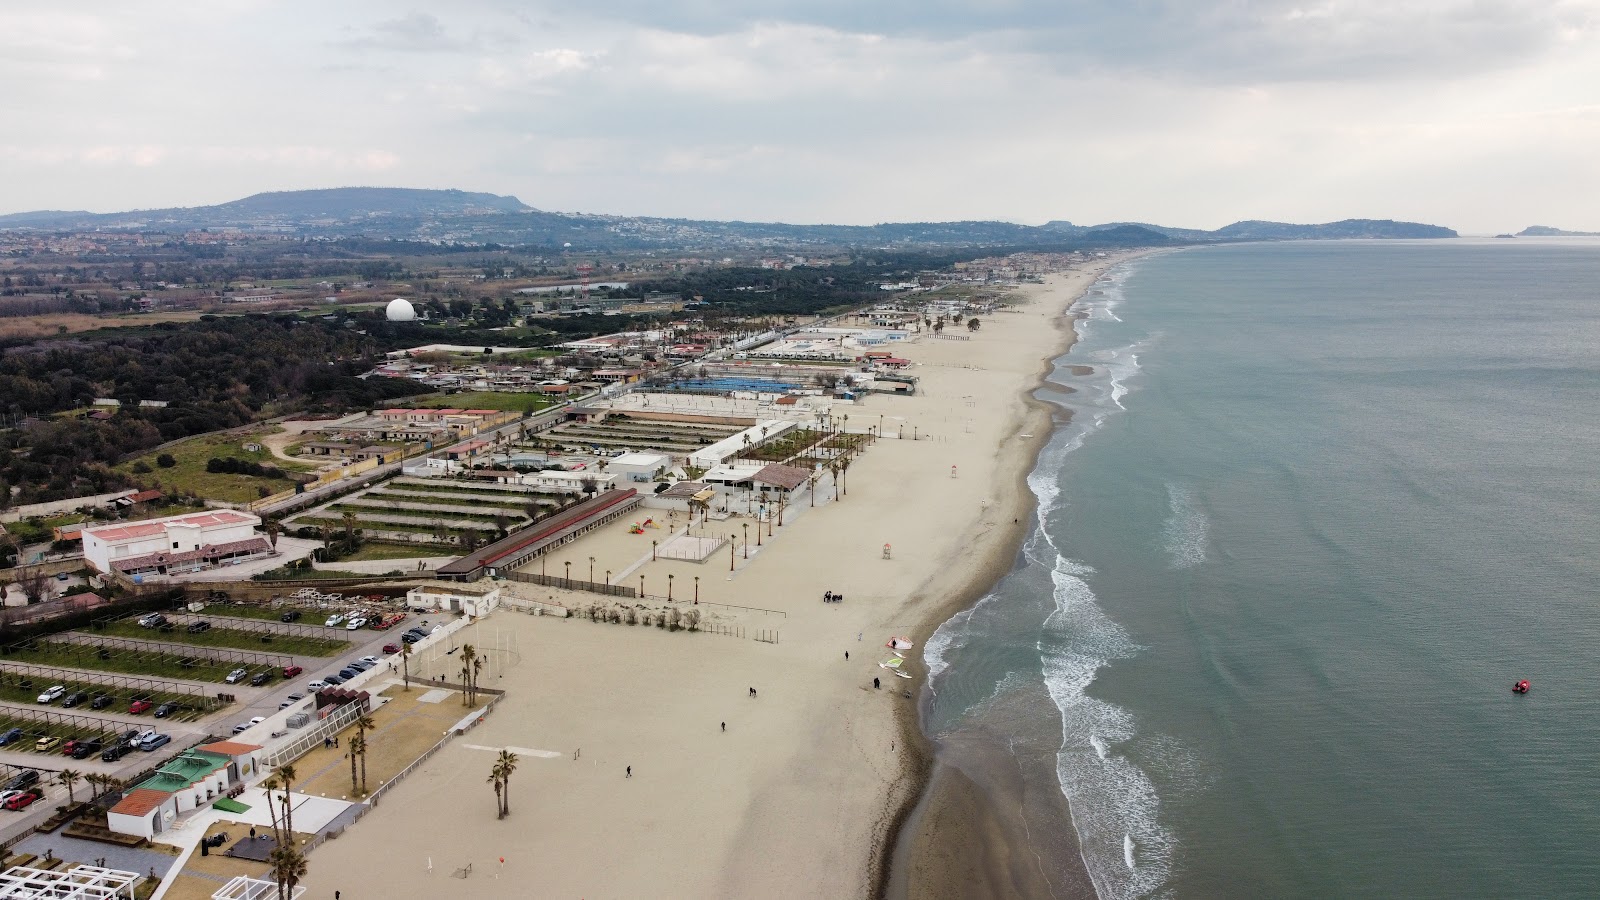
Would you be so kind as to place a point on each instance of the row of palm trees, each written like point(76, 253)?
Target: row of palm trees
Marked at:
point(102, 784)
point(288, 863)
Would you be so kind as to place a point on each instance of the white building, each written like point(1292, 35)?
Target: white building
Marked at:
point(639, 467)
point(754, 436)
point(453, 597)
point(174, 544)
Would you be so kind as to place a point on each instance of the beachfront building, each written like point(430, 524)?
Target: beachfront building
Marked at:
point(748, 482)
point(175, 544)
point(443, 596)
point(639, 467)
point(184, 783)
point(752, 437)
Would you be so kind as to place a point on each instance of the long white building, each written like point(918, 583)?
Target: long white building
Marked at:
point(174, 544)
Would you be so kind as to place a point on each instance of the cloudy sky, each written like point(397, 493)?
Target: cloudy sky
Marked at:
point(1483, 115)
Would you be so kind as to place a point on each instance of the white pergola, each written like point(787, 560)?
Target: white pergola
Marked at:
point(77, 883)
point(243, 887)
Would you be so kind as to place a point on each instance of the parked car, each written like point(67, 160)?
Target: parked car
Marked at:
point(291, 700)
point(154, 742)
point(360, 665)
point(391, 648)
point(10, 737)
point(335, 620)
point(23, 779)
point(370, 660)
point(53, 694)
point(410, 637)
point(355, 624)
point(261, 678)
point(349, 672)
point(236, 676)
point(140, 706)
point(71, 746)
point(333, 679)
point(22, 800)
point(152, 620)
point(7, 795)
point(136, 736)
point(292, 615)
point(61, 576)
point(101, 701)
point(116, 752)
point(86, 749)
point(74, 699)
point(166, 709)
point(291, 671)
point(199, 627)
point(317, 685)
point(46, 744)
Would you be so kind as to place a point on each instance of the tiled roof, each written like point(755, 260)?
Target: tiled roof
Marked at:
point(230, 748)
point(140, 801)
point(786, 477)
point(116, 533)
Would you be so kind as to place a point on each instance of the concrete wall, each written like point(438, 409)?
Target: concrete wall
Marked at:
point(58, 507)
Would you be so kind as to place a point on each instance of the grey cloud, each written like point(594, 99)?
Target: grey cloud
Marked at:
point(414, 32)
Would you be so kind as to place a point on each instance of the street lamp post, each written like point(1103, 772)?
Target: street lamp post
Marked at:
point(591, 570)
point(652, 551)
point(746, 527)
point(608, 578)
point(732, 539)
point(669, 587)
point(569, 574)
point(697, 590)
point(641, 585)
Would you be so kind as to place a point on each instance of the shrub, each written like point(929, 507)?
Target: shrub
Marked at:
point(166, 461)
point(141, 468)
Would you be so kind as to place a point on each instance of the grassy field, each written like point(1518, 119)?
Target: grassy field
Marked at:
point(230, 638)
point(372, 550)
point(243, 611)
point(132, 662)
point(190, 473)
point(521, 402)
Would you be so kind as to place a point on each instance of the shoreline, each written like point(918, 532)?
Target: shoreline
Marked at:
point(949, 840)
point(650, 765)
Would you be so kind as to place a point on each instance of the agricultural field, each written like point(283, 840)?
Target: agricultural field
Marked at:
point(503, 400)
point(189, 473)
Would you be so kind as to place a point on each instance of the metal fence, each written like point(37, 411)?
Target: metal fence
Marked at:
point(313, 734)
point(122, 684)
point(217, 655)
point(572, 584)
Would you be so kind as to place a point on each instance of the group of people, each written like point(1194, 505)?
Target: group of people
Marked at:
point(831, 597)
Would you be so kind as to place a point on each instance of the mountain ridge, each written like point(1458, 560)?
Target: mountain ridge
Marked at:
point(467, 218)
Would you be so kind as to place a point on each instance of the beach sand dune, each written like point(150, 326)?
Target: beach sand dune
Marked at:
point(802, 793)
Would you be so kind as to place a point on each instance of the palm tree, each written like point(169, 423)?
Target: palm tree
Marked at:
point(285, 775)
point(506, 764)
point(468, 655)
point(499, 785)
point(288, 867)
point(364, 724)
point(69, 780)
point(844, 470)
point(405, 663)
point(273, 529)
point(358, 745)
point(94, 780)
point(349, 519)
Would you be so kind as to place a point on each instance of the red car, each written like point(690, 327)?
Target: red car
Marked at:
point(391, 648)
point(139, 706)
point(21, 800)
point(292, 671)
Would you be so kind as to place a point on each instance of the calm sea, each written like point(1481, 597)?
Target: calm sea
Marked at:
point(1318, 507)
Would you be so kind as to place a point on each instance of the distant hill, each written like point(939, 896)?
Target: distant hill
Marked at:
point(465, 219)
point(333, 205)
point(1547, 231)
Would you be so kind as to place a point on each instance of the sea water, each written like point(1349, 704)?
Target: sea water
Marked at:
point(1318, 506)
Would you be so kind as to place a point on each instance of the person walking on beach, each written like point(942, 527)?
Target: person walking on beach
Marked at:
point(875, 684)
point(630, 771)
point(724, 727)
point(847, 656)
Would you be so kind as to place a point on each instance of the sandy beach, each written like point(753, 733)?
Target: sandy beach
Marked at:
point(805, 790)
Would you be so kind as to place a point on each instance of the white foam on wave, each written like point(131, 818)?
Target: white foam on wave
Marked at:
point(1111, 799)
point(1127, 850)
point(1185, 529)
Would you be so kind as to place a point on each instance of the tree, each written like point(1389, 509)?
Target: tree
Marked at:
point(349, 520)
point(166, 461)
point(355, 742)
point(285, 776)
point(288, 867)
point(469, 655)
point(590, 486)
point(35, 585)
point(273, 528)
point(938, 327)
point(499, 786)
point(364, 724)
point(405, 663)
point(69, 780)
point(506, 764)
point(973, 324)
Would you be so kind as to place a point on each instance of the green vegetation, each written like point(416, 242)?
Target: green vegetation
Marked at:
point(284, 573)
point(372, 550)
point(155, 663)
point(242, 611)
point(502, 400)
point(188, 475)
point(231, 638)
point(35, 530)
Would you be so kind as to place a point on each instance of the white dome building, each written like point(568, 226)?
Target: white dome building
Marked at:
point(401, 310)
